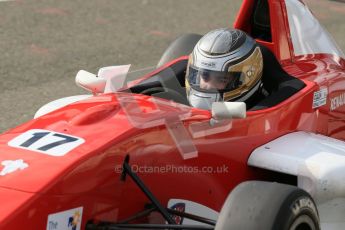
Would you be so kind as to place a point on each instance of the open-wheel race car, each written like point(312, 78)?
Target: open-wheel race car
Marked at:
point(135, 155)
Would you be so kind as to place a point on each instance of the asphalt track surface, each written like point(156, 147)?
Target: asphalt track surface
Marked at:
point(43, 43)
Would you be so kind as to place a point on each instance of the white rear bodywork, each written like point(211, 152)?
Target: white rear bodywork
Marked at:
point(319, 164)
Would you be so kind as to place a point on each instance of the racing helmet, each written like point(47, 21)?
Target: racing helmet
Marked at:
point(225, 65)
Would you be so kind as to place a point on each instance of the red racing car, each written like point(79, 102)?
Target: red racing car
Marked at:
point(135, 155)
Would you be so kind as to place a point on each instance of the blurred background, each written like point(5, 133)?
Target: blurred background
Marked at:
point(43, 43)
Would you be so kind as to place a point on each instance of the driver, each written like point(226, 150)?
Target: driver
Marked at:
point(225, 65)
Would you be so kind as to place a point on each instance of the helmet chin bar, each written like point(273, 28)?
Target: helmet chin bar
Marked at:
point(203, 100)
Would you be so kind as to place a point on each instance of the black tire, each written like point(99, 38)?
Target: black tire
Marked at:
point(268, 206)
point(182, 46)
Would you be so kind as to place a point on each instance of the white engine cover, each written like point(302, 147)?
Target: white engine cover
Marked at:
point(319, 164)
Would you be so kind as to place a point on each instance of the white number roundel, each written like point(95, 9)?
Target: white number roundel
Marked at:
point(47, 142)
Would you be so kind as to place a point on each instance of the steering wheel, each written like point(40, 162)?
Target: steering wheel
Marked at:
point(166, 93)
point(153, 90)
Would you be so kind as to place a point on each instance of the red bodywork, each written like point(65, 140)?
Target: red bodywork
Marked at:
point(87, 176)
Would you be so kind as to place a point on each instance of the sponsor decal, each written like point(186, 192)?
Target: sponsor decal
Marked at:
point(180, 207)
point(66, 220)
point(251, 71)
point(46, 142)
point(300, 204)
point(208, 64)
point(194, 208)
point(12, 166)
point(320, 98)
point(337, 101)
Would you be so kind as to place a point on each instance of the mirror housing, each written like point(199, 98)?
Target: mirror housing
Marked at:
point(228, 110)
point(90, 82)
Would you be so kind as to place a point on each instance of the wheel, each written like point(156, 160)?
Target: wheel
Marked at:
point(266, 205)
point(182, 46)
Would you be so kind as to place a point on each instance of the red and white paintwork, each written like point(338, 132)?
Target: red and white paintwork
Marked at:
point(85, 178)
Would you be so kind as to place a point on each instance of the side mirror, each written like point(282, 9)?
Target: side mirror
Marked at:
point(228, 110)
point(90, 82)
point(115, 76)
